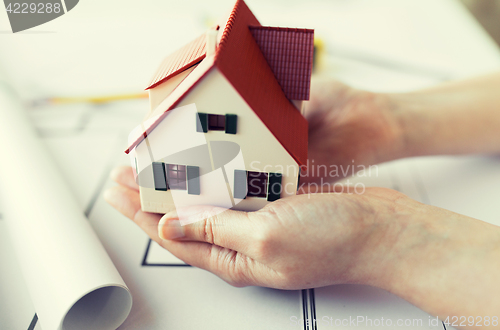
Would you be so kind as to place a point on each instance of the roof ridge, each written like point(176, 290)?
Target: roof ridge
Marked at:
point(279, 28)
point(180, 60)
point(228, 27)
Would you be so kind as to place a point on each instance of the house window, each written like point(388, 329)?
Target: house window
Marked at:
point(257, 184)
point(176, 176)
point(216, 122)
point(227, 123)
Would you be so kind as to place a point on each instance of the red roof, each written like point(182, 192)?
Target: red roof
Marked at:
point(192, 53)
point(289, 53)
point(239, 58)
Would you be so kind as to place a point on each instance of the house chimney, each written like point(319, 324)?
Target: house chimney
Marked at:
point(299, 104)
point(211, 41)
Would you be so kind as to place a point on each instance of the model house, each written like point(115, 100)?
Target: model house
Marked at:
point(225, 126)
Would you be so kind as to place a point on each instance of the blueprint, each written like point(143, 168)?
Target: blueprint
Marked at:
point(87, 141)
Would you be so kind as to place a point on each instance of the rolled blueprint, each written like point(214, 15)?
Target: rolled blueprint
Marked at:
point(71, 279)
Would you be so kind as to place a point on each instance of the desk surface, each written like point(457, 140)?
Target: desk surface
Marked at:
point(102, 48)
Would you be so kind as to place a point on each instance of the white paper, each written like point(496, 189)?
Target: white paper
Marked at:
point(71, 280)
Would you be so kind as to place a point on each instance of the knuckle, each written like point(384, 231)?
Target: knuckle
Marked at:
point(208, 231)
point(272, 209)
point(266, 236)
point(264, 241)
point(208, 221)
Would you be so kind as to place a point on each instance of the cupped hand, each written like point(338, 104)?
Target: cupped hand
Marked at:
point(349, 127)
point(303, 241)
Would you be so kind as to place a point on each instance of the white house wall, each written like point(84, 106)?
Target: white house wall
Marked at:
point(259, 150)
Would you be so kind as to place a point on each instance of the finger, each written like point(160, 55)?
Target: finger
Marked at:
point(127, 202)
point(233, 267)
point(124, 199)
point(124, 176)
point(205, 256)
point(236, 230)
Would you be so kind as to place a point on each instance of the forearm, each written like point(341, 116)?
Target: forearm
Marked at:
point(461, 117)
point(446, 264)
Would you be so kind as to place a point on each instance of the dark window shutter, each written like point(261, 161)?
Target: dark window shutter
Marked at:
point(240, 184)
point(231, 123)
point(193, 177)
point(274, 189)
point(298, 181)
point(201, 122)
point(159, 176)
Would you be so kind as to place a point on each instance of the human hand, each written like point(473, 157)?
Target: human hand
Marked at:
point(380, 238)
point(349, 127)
point(296, 242)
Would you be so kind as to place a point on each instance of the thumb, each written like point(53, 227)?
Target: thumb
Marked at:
point(235, 230)
point(219, 240)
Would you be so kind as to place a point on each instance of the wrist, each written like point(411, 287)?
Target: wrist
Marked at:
point(415, 234)
point(392, 224)
point(385, 128)
point(430, 245)
point(415, 124)
point(402, 235)
point(430, 124)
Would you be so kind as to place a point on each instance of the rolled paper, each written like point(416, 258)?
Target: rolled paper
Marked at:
point(70, 277)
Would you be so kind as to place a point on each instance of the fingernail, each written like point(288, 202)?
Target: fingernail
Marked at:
point(169, 228)
point(109, 196)
point(113, 175)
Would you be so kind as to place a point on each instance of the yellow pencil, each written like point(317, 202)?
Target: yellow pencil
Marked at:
point(98, 99)
point(91, 99)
